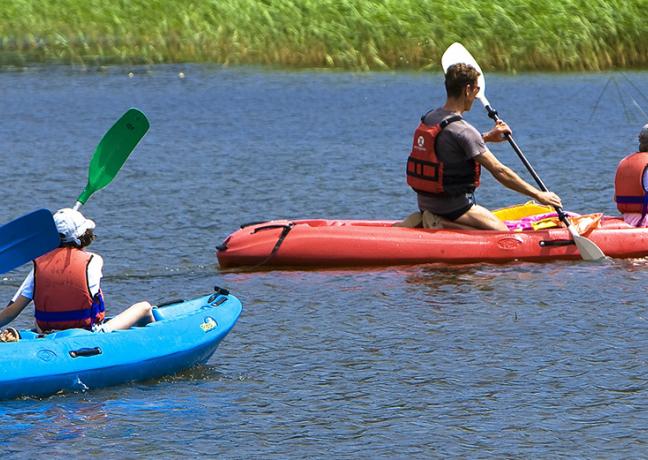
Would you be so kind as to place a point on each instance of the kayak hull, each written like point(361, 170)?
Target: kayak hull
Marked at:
point(186, 333)
point(353, 243)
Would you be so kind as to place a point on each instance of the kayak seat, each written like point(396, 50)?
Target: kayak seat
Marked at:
point(29, 335)
point(70, 333)
point(156, 314)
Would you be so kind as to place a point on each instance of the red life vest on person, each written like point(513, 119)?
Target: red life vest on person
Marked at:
point(428, 173)
point(62, 297)
point(630, 187)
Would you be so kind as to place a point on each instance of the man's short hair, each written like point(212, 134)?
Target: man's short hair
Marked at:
point(643, 138)
point(458, 76)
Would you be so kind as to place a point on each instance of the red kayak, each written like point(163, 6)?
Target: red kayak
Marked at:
point(353, 243)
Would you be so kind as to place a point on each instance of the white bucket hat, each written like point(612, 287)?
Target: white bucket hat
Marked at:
point(71, 225)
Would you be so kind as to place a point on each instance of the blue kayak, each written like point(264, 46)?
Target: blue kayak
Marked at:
point(185, 333)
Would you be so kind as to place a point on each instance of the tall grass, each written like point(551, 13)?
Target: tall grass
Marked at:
point(351, 34)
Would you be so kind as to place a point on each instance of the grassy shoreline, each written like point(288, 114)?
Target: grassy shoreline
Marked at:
point(515, 35)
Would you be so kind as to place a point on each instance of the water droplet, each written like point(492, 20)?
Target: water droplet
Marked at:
point(79, 385)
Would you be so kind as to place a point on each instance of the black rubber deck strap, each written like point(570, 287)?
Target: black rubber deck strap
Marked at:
point(249, 224)
point(282, 237)
point(273, 226)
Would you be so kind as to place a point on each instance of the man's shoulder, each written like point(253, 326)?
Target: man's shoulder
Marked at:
point(468, 136)
point(462, 128)
point(436, 116)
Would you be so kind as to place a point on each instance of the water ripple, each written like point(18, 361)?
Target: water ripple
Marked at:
point(508, 361)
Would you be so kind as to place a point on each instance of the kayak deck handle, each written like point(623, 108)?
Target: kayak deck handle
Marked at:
point(84, 352)
point(548, 243)
point(215, 300)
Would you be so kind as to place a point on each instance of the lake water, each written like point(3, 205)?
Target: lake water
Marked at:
point(517, 361)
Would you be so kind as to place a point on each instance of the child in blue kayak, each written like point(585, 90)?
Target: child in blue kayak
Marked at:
point(65, 285)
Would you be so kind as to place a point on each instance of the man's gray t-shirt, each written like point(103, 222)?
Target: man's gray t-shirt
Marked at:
point(461, 140)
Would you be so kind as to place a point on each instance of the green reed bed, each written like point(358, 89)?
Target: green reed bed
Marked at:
point(350, 34)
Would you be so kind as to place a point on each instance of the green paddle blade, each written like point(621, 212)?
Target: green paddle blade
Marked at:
point(113, 150)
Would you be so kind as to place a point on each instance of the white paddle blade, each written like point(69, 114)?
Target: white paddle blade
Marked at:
point(457, 53)
point(587, 248)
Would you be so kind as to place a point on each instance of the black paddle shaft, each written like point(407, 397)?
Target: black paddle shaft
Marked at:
point(492, 113)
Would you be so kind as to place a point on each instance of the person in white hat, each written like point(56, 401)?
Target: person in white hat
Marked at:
point(631, 184)
point(65, 285)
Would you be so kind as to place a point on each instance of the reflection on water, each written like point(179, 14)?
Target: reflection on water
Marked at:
point(515, 360)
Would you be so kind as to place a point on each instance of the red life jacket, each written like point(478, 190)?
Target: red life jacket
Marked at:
point(427, 170)
point(630, 192)
point(62, 297)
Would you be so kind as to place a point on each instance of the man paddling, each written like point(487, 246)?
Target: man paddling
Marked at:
point(447, 155)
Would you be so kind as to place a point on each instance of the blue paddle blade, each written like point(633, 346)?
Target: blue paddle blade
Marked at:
point(26, 238)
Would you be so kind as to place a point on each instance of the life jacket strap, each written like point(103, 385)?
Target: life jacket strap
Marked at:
point(449, 120)
point(60, 316)
point(642, 200)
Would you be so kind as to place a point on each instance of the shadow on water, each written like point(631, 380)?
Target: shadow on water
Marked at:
point(439, 279)
point(196, 375)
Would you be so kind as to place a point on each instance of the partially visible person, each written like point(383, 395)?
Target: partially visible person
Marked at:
point(631, 184)
point(65, 285)
point(447, 154)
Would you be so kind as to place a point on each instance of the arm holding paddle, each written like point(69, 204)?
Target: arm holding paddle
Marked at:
point(505, 175)
point(587, 248)
point(498, 133)
point(509, 179)
point(12, 310)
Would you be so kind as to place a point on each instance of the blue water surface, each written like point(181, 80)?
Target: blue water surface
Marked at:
point(508, 361)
